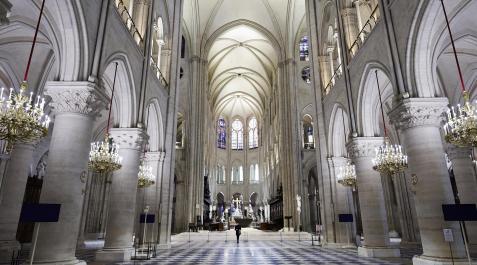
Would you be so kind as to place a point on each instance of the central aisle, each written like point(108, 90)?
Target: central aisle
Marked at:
point(261, 248)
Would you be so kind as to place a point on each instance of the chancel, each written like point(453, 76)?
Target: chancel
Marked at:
point(325, 131)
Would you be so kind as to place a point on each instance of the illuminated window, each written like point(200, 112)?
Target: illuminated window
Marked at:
point(252, 133)
point(237, 175)
point(254, 174)
point(237, 135)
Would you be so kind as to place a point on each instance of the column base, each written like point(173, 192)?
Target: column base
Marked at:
point(64, 262)
point(119, 254)
point(164, 246)
point(339, 245)
point(379, 252)
point(425, 260)
point(6, 250)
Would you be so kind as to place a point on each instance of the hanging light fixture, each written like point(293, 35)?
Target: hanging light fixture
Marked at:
point(104, 156)
point(145, 175)
point(347, 173)
point(389, 158)
point(461, 126)
point(22, 118)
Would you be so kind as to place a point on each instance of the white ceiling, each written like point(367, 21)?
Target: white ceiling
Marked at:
point(242, 59)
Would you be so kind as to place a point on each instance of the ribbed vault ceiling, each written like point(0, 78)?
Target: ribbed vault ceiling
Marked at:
point(242, 57)
point(241, 65)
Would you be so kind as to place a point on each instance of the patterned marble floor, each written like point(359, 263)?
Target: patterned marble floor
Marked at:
point(256, 252)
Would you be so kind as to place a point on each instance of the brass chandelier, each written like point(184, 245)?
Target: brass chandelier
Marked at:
point(347, 175)
point(103, 156)
point(145, 175)
point(22, 118)
point(461, 126)
point(389, 158)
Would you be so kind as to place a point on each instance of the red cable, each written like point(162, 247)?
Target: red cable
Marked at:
point(381, 104)
point(111, 100)
point(25, 77)
point(453, 47)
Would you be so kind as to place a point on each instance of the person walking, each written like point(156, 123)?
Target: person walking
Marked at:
point(238, 231)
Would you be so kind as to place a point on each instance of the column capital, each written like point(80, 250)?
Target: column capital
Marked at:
point(339, 161)
point(455, 152)
point(198, 59)
point(345, 12)
point(416, 112)
point(363, 146)
point(287, 61)
point(75, 97)
point(156, 156)
point(129, 138)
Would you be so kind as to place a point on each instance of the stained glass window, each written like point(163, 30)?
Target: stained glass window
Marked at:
point(237, 135)
point(221, 134)
point(304, 49)
point(252, 133)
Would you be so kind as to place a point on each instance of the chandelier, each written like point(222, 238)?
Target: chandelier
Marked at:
point(347, 175)
point(104, 156)
point(145, 175)
point(389, 158)
point(461, 126)
point(21, 118)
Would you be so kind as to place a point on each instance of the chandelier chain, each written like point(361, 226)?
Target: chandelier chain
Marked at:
point(27, 70)
point(453, 48)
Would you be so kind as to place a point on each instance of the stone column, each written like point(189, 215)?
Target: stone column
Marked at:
point(140, 15)
point(419, 121)
point(357, 5)
point(464, 173)
point(331, 60)
point(152, 193)
point(371, 198)
point(165, 63)
point(325, 71)
point(343, 205)
point(120, 225)
point(74, 104)
point(338, 47)
point(350, 24)
point(13, 190)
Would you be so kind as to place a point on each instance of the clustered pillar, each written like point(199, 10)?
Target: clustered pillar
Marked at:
point(371, 197)
point(74, 107)
point(419, 121)
point(13, 190)
point(118, 245)
point(464, 173)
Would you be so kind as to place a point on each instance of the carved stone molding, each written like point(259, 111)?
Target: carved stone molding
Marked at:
point(339, 161)
point(454, 152)
point(364, 146)
point(75, 97)
point(129, 138)
point(5, 7)
point(155, 156)
point(414, 112)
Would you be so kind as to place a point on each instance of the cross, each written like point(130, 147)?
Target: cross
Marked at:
point(236, 202)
